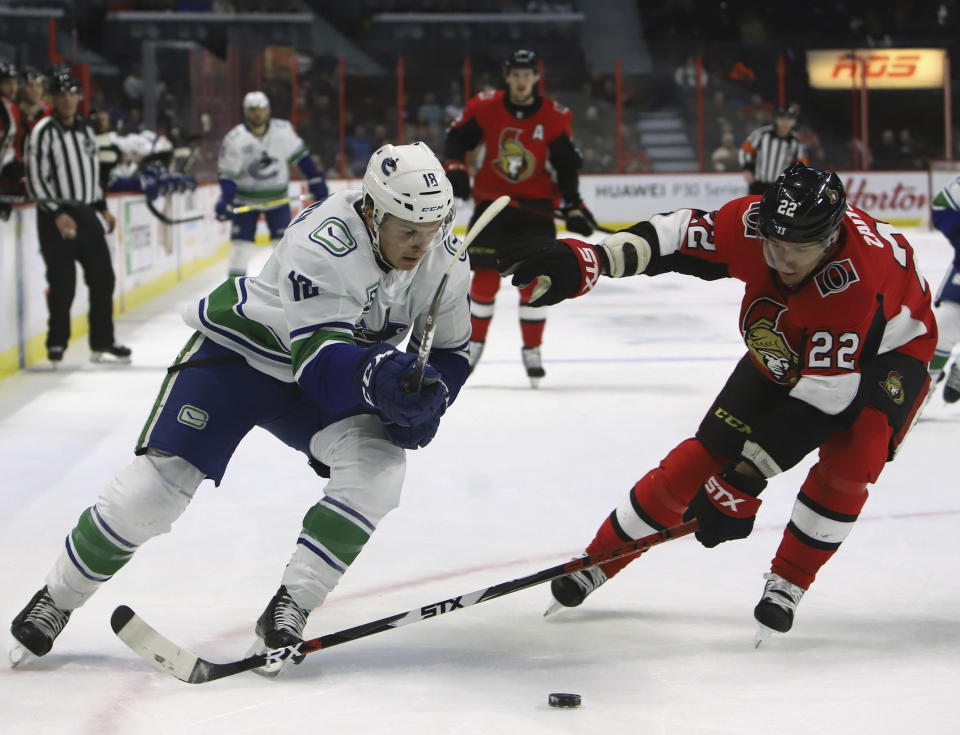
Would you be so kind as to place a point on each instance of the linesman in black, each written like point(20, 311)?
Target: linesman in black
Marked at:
point(769, 149)
point(63, 166)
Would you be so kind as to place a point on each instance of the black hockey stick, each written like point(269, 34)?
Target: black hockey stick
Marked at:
point(168, 657)
point(168, 220)
point(557, 214)
point(414, 381)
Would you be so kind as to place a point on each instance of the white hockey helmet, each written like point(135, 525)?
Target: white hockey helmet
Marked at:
point(255, 99)
point(408, 182)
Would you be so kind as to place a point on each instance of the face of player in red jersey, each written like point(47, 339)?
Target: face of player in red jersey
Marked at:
point(794, 261)
point(521, 84)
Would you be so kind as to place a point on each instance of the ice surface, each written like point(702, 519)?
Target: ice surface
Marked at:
point(517, 480)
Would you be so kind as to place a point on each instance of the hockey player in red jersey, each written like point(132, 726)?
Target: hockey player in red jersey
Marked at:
point(11, 159)
point(524, 135)
point(839, 330)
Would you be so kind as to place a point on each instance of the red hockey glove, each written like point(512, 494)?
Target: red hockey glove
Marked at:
point(726, 506)
point(563, 269)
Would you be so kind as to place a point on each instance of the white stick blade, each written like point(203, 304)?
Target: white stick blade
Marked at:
point(152, 647)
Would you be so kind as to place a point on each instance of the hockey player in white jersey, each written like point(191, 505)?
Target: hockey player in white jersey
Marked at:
point(946, 218)
point(307, 350)
point(254, 170)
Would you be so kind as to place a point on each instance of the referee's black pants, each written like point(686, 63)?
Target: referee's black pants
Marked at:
point(89, 248)
point(759, 187)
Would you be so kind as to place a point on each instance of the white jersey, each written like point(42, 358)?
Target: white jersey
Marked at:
point(260, 166)
point(323, 284)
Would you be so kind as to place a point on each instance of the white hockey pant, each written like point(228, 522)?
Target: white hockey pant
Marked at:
point(948, 325)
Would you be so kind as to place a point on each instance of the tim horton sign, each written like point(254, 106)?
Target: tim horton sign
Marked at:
point(886, 68)
point(901, 198)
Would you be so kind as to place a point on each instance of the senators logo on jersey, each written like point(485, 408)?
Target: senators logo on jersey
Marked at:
point(513, 161)
point(766, 342)
point(893, 386)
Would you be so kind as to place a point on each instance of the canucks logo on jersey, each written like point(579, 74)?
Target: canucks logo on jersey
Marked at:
point(263, 168)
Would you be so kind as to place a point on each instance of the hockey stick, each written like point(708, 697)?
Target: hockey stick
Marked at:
point(263, 206)
point(556, 214)
point(167, 220)
point(168, 657)
point(414, 381)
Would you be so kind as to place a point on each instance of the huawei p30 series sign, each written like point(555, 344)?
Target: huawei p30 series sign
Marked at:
point(883, 68)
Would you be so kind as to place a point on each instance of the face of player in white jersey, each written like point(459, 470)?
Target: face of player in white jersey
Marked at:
point(403, 244)
point(521, 84)
point(257, 118)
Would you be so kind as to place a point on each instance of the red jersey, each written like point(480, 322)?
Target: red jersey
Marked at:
point(10, 127)
point(865, 299)
point(517, 147)
point(27, 121)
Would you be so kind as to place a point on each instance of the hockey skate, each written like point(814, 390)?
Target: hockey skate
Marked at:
point(36, 627)
point(115, 355)
point(533, 365)
point(281, 625)
point(951, 389)
point(572, 589)
point(55, 355)
point(777, 606)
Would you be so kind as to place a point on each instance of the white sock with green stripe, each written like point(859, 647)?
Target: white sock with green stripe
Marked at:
point(333, 535)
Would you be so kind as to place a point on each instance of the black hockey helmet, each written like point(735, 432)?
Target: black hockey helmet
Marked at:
point(8, 70)
point(30, 73)
point(521, 59)
point(63, 82)
point(790, 111)
point(805, 204)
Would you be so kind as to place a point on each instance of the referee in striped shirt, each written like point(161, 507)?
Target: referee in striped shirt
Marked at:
point(769, 149)
point(63, 165)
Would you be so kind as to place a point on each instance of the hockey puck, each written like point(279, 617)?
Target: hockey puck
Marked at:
point(559, 699)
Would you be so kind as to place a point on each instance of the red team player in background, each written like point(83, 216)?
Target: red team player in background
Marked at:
point(524, 135)
point(839, 330)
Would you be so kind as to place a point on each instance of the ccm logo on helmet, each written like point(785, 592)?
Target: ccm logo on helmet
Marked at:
point(431, 209)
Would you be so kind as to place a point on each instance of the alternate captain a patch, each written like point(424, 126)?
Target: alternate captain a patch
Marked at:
point(893, 386)
point(836, 277)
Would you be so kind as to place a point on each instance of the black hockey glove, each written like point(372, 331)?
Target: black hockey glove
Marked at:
point(562, 269)
point(382, 379)
point(726, 506)
point(579, 219)
point(459, 179)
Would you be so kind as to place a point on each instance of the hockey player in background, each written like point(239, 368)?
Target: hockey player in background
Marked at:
point(946, 218)
point(839, 331)
point(11, 136)
point(33, 106)
point(306, 349)
point(524, 135)
point(254, 169)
